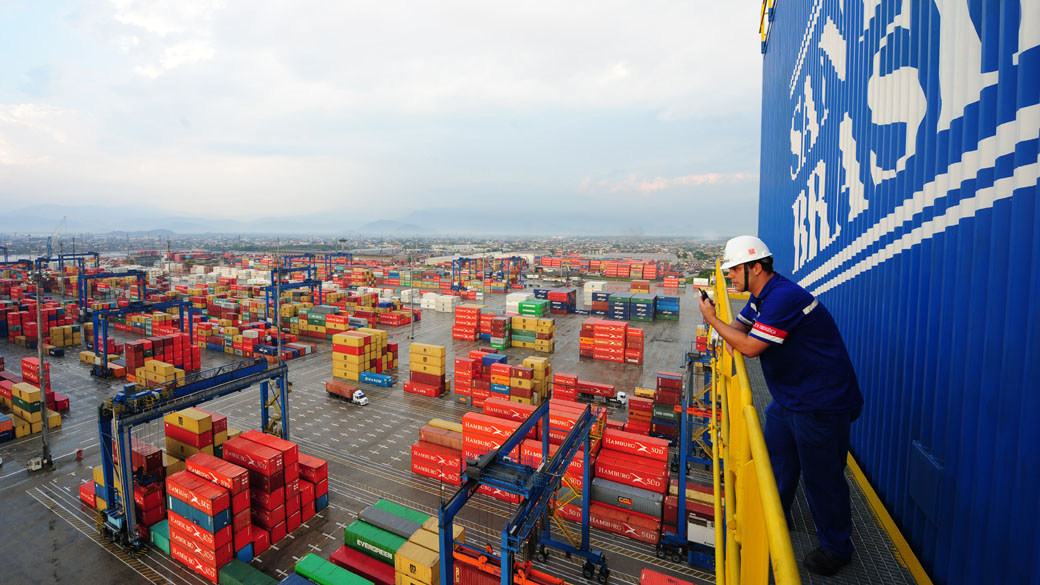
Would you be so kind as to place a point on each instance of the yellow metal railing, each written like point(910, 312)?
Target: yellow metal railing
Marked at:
point(763, 21)
point(756, 531)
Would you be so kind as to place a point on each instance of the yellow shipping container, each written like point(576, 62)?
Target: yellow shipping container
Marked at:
point(419, 358)
point(426, 539)
point(402, 579)
point(351, 340)
point(446, 425)
point(26, 392)
point(183, 450)
point(418, 563)
point(521, 383)
point(428, 369)
point(190, 419)
point(645, 392)
point(428, 349)
point(458, 532)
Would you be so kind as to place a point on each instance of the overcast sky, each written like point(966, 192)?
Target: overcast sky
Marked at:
point(251, 108)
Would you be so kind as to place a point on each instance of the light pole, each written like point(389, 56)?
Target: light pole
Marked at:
point(46, 457)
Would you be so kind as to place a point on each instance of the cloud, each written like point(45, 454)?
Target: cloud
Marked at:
point(647, 186)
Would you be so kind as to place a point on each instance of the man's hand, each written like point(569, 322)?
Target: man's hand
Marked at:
point(707, 307)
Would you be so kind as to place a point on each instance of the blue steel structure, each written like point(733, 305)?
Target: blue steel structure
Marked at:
point(101, 327)
point(500, 470)
point(904, 197)
point(287, 261)
point(5, 253)
point(328, 258)
point(678, 546)
point(457, 266)
point(511, 265)
point(134, 406)
point(81, 284)
point(278, 284)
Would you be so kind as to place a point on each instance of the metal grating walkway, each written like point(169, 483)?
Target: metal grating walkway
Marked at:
point(875, 560)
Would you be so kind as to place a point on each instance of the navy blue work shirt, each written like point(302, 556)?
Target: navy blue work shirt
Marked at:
point(806, 366)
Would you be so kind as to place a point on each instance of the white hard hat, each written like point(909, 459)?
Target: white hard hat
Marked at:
point(742, 249)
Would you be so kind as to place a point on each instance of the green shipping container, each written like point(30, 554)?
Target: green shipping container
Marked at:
point(160, 532)
point(26, 406)
point(323, 572)
point(402, 512)
point(238, 573)
point(666, 412)
point(374, 542)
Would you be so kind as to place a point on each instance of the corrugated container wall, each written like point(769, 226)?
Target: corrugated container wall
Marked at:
point(899, 185)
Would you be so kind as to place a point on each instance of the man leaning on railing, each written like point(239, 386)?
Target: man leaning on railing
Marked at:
point(815, 393)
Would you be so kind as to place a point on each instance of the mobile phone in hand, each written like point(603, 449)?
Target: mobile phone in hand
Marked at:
point(704, 294)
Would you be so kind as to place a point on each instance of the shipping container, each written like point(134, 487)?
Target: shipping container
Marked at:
point(914, 172)
point(361, 564)
point(324, 572)
point(376, 543)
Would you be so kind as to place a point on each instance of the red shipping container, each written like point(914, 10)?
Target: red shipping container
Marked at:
point(267, 500)
point(277, 533)
point(306, 511)
point(269, 519)
point(436, 455)
point(217, 557)
point(242, 538)
point(197, 533)
point(363, 565)
point(428, 379)
point(423, 389)
point(198, 493)
point(292, 488)
point(241, 521)
point(504, 408)
point(635, 476)
point(266, 483)
point(498, 494)
point(638, 444)
point(292, 505)
point(306, 491)
point(502, 429)
point(636, 527)
point(292, 522)
point(261, 539)
point(150, 516)
point(321, 488)
point(181, 554)
point(313, 469)
point(223, 473)
point(86, 494)
point(648, 577)
point(290, 449)
point(253, 456)
point(148, 497)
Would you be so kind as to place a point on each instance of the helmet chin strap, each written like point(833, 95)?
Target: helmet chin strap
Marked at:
point(747, 285)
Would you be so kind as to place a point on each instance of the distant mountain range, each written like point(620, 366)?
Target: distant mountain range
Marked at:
point(148, 221)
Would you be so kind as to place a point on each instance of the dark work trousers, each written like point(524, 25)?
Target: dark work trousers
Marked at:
point(814, 445)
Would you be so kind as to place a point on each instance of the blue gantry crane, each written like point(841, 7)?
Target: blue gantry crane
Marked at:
point(135, 405)
point(529, 526)
point(81, 284)
point(278, 284)
point(101, 368)
point(329, 258)
point(694, 539)
point(460, 264)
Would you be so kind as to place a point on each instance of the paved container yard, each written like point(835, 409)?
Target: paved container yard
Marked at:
point(52, 537)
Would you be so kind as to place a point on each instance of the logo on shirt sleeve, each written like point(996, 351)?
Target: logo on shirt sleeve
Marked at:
point(767, 333)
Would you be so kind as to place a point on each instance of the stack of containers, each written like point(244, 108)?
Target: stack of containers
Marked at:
point(188, 432)
point(200, 523)
point(600, 306)
point(642, 307)
point(314, 485)
point(427, 366)
point(467, 322)
point(640, 415)
point(364, 350)
point(631, 480)
point(220, 429)
point(267, 487)
point(541, 370)
point(562, 300)
point(534, 333)
point(481, 387)
point(6, 428)
point(667, 396)
point(513, 301)
point(565, 386)
point(482, 434)
point(667, 307)
point(499, 331)
point(156, 373)
point(603, 340)
point(634, 342)
point(235, 479)
point(620, 306)
point(438, 452)
point(672, 282)
point(537, 307)
point(466, 371)
point(314, 569)
point(27, 410)
point(640, 286)
point(291, 479)
point(592, 286)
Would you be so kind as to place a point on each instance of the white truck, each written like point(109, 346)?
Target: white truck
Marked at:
point(347, 392)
